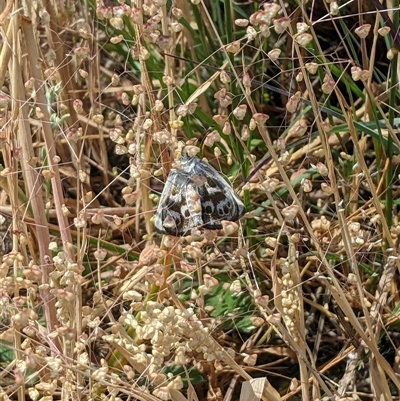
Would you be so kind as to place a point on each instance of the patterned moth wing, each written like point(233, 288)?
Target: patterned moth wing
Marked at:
point(178, 210)
point(218, 200)
point(195, 196)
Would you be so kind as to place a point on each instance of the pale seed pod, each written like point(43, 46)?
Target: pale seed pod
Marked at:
point(220, 119)
point(294, 384)
point(233, 47)
point(256, 18)
point(251, 33)
point(326, 188)
point(293, 102)
point(260, 118)
point(265, 31)
point(100, 254)
point(229, 227)
point(97, 218)
point(302, 27)
point(29, 84)
point(116, 39)
point(250, 360)
point(135, 100)
point(240, 112)
point(334, 8)
point(241, 22)
point(177, 12)
point(384, 30)
point(227, 129)
point(182, 110)
point(299, 77)
point(176, 27)
point(303, 39)
point(192, 150)
point(354, 226)
point(290, 212)
point(307, 185)
point(65, 210)
point(78, 106)
point(274, 54)
point(311, 67)
point(125, 99)
point(98, 119)
point(136, 16)
point(356, 73)
point(236, 287)
point(210, 281)
point(271, 242)
point(117, 23)
point(144, 54)
point(328, 86)
point(115, 79)
point(363, 30)
point(271, 9)
point(281, 24)
point(158, 105)
point(326, 126)
point(167, 80)
point(246, 80)
point(80, 221)
point(224, 77)
point(217, 152)
point(176, 124)
point(245, 133)
point(298, 129)
point(39, 113)
point(322, 169)
point(390, 53)
point(270, 184)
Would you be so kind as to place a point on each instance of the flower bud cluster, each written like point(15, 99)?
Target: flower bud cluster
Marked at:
point(322, 231)
point(65, 276)
point(149, 16)
point(61, 286)
point(13, 305)
point(357, 235)
point(169, 331)
point(290, 297)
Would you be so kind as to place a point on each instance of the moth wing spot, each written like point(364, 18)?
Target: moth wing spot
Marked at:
point(185, 212)
point(208, 207)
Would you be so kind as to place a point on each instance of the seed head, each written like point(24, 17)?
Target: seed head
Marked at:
point(303, 39)
point(363, 30)
point(241, 22)
point(281, 24)
point(274, 54)
point(311, 67)
point(384, 30)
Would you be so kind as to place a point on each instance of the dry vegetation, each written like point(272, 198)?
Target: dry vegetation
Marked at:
point(295, 104)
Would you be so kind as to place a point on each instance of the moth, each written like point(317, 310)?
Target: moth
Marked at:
point(195, 195)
